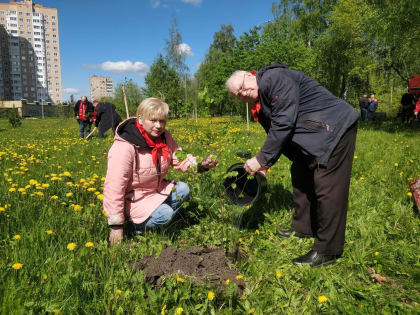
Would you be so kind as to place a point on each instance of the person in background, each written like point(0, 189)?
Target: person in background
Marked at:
point(417, 108)
point(407, 107)
point(373, 106)
point(135, 187)
point(83, 111)
point(106, 117)
point(317, 132)
point(364, 104)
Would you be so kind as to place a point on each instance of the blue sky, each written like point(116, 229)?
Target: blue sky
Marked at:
point(98, 37)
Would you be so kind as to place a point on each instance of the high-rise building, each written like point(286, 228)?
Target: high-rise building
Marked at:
point(30, 65)
point(101, 87)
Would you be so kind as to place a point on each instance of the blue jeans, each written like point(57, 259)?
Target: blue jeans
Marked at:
point(83, 125)
point(363, 113)
point(164, 214)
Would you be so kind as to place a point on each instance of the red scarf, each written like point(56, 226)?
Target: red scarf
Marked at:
point(255, 109)
point(157, 146)
point(93, 117)
point(82, 111)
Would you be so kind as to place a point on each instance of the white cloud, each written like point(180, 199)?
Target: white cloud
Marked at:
point(194, 2)
point(185, 50)
point(155, 4)
point(70, 91)
point(125, 67)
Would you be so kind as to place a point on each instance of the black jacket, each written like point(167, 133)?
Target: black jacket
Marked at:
point(364, 102)
point(301, 117)
point(89, 109)
point(106, 117)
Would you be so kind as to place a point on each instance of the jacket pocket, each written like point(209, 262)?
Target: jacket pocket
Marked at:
point(317, 124)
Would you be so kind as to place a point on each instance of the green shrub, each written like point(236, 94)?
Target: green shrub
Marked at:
point(14, 118)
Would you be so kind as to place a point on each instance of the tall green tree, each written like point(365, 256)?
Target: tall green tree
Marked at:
point(163, 81)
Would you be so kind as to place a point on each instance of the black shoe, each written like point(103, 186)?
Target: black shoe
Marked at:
point(315, 259)
point(288, 233)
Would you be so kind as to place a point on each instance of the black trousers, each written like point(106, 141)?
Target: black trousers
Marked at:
point(321, 196)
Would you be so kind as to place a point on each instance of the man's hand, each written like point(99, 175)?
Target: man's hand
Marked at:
point(116, 235)
point(77, 117)
point(210, 162)
point(252, 166)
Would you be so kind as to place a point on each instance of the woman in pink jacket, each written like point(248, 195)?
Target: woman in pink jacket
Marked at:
point(135, 188)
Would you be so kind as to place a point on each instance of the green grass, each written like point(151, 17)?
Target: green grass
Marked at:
point(382, 230)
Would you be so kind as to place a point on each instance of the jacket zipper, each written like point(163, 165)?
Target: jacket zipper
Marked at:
point(317, 123)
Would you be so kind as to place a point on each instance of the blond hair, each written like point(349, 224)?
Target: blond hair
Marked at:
point(153, 107)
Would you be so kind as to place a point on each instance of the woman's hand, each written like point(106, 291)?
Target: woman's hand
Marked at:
point(210, 162)
point(116, 235)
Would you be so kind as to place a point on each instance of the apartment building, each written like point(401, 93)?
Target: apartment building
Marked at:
point(101, 87)
point(30, 65)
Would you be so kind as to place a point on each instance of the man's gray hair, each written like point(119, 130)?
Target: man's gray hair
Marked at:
point(237, 74)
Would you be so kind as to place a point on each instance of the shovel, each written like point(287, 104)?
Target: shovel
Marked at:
point(89, 135)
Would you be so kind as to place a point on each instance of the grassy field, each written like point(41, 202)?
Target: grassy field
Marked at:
point(55, 258)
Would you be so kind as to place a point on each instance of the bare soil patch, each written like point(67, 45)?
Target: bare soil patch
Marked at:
point(204, 265)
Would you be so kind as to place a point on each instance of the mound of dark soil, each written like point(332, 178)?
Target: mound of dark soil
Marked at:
point(208, 265)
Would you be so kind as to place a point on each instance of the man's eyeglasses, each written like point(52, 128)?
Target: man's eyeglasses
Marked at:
point(242, 87)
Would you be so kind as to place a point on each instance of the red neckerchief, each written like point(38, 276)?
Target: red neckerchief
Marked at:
point(157, 146)
point(82, 111)
point(93, 117)
point(255, 109)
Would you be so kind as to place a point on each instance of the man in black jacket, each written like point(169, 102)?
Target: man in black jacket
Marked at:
point(106, 117)
point(83, 111)
point(317, 132)
point(364, 104)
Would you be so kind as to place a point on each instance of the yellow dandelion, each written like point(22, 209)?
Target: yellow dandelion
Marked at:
point(227, 282)
point(21, 189)
point(395, 164)
point(66, 173)
point(2, 209)
point(45, 185)
point(88, 244)
point(210, 295)
point(162, 312)
point(100, 197)
point(322, 299)
point(71, 246)
point(54, 197)
point(179, 279)
point(179, 310)
point(49, 232)
point(376, 253)
point(44, 276)
point(118, 291)
point(257, 232)
point(17, 266)
point(356, 157)
point(12, 189)
point(77, 208)
point(16, 237)
point(240, 240)
point(56, 311)
point(278, 274)
point(238, 277)
point(409, 194)
point(251, 311)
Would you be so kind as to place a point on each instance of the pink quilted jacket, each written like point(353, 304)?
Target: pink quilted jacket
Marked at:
point(132, 188)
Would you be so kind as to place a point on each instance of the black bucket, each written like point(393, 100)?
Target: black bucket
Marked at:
point(241, 188)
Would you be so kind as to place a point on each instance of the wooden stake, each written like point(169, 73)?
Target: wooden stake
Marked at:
point(125, 101)
point(247, 118)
